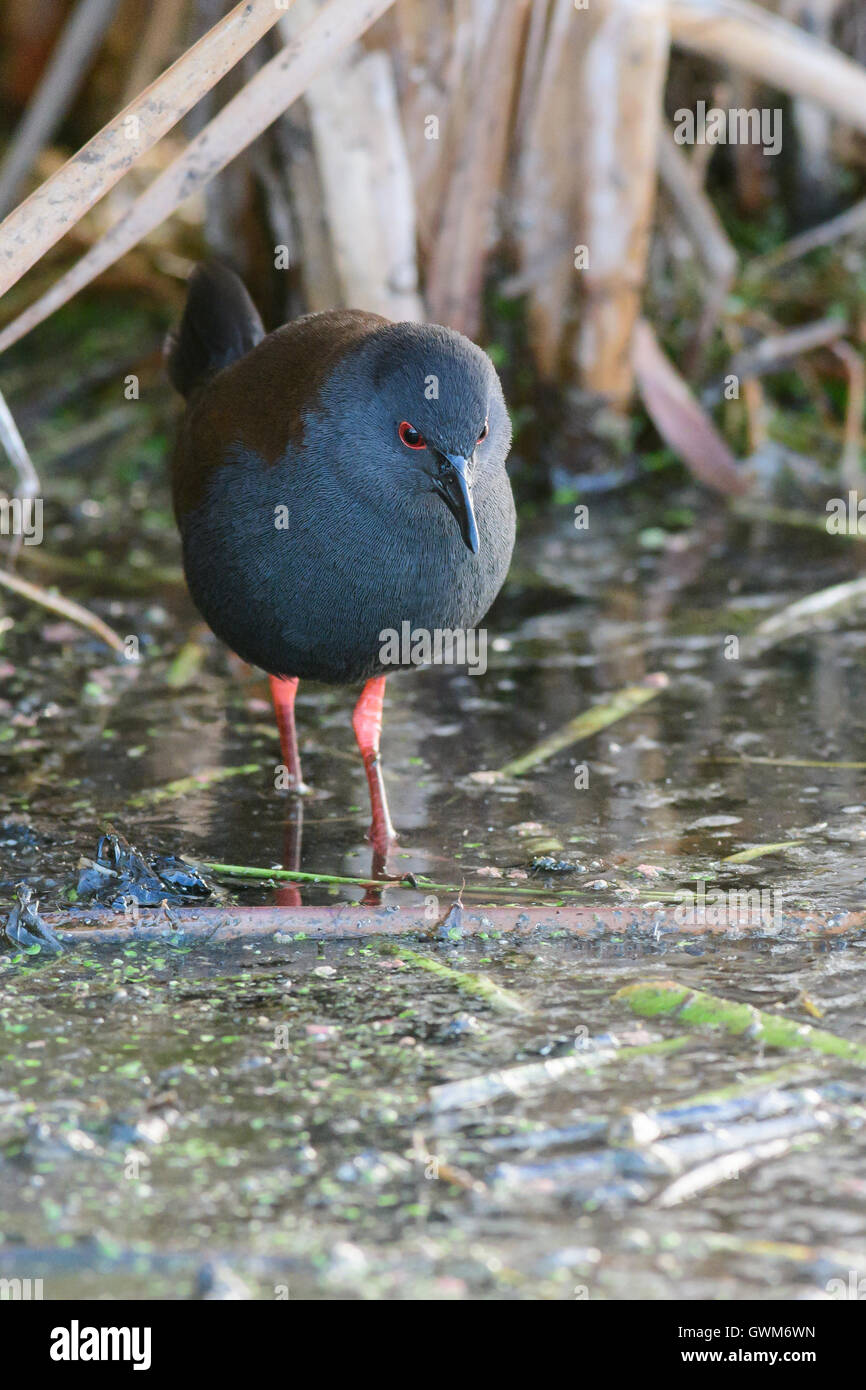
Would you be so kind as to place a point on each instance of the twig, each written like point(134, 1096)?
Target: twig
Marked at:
point(774, 352)
point(66, 607)
point(849, 223)
point(591, 721)
point(273, 89)
point(145, 581)
point(57, 204)
point(737, 1161)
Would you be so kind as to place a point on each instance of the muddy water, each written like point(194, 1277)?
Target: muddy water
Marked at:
point(266, 1116)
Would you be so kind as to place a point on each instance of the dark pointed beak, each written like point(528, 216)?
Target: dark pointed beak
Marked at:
point(455, 489)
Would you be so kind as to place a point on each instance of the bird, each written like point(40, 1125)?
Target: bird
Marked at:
point(331, 481)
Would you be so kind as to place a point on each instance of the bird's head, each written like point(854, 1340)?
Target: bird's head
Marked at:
point(430, 416)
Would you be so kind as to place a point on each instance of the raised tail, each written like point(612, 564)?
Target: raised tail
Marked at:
point(220, 323)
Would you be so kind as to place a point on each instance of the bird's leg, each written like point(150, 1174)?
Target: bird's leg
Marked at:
point(367, 723)
point(283, 691)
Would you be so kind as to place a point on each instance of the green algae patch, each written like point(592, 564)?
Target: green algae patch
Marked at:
point(694, 1007)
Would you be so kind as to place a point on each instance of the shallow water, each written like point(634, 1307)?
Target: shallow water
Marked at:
point(269, 1105)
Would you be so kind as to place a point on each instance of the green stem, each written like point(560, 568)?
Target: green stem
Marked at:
point(649, 999)
point(420, 885)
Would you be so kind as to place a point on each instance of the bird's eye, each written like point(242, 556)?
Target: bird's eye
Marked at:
point(410, 436)
point(484, 433)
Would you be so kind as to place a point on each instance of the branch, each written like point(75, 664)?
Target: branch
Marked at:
point(746, 36)
point(55, 207)
point(55, 93)
point(265, 97)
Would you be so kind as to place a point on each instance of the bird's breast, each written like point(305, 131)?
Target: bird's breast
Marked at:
point(303, 577)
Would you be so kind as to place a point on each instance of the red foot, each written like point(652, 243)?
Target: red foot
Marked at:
point(367, 723)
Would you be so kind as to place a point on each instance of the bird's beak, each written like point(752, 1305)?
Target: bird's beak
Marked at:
point(455, 489)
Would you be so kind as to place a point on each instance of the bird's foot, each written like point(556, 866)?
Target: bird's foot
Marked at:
point(379, 869)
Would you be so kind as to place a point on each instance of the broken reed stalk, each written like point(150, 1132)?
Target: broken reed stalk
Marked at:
point(60, 202)
point(852, 222)
point(651, 999)
point(623, 82)
point(745, 36)
point(456, 270)
point(776, 350)
point(59, 83)
point(367, 198)
point(66, 607)
point(591, 721)
point(265, 97)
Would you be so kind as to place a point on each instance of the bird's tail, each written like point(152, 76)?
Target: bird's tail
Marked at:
point(220, 323)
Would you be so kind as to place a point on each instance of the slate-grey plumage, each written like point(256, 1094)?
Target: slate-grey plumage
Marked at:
point(332, 480)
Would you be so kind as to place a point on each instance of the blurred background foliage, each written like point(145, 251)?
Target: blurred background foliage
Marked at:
point(450, 164)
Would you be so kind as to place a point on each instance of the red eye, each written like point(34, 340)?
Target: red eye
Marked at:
point(410, 436)
point(484, 433)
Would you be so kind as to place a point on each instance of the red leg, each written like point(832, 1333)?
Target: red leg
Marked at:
point(283, 691)
point(367, 723)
